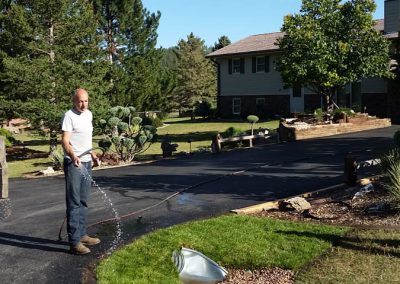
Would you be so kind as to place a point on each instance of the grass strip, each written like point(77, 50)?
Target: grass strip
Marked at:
point(362, 256)
point(232, 241)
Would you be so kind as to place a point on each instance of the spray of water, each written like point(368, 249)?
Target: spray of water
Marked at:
point(118, 231)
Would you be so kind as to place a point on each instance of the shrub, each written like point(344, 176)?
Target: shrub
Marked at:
point(9, 139)
point(390, 166)
point(252, 119)
point(232, 131)
point(57, 159)
point(126, 131)
point(155, 122)
point(203, 109)
point(319, 114)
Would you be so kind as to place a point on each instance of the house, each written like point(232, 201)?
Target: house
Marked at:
point(248, 82)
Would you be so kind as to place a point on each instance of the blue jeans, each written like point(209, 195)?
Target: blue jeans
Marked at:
point(77, 187)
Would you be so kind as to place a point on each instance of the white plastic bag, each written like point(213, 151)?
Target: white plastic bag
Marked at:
point(196, 268)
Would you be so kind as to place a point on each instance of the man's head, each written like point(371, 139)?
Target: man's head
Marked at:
point(81, 100)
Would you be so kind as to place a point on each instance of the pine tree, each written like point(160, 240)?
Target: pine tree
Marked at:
point(130, 34)
point(56, 52)
point(196, 78)
point(143, 59)
point(222, 42)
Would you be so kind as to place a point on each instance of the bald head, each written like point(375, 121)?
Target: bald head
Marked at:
point(80, 100)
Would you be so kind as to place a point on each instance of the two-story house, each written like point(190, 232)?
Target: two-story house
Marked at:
point(248, 82)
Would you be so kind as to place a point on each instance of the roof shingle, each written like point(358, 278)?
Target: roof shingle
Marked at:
point(261, 43)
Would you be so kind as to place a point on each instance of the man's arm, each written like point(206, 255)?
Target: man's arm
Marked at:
point(66, 137)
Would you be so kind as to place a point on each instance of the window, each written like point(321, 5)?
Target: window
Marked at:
point(235, 66)
point(260, 101)
point(236, 105)
point(260, 64)
point(296, 90)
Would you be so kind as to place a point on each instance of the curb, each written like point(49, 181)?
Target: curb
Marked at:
point(275, 203)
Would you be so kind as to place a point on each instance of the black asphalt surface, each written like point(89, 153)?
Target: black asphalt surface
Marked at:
point(211, 185)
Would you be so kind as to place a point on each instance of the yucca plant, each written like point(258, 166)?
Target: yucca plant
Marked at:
point(390, 166)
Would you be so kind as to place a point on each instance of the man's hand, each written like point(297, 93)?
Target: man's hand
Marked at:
point(96, 162)
point(77, 162)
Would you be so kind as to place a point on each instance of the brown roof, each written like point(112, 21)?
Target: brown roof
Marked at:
point(254, 43)
point(261, 43)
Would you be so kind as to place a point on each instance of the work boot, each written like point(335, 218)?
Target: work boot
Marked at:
point(89, 241)
point(79, 248)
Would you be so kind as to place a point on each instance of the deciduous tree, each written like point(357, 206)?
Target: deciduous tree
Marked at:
point(331, 43)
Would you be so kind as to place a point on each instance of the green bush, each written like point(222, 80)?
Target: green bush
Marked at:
point(155, 122)
point(232, 131)
point(390, 166)
point(203, 109)
point(9, 139)
point(57, 159)
point(122, 128)
point(319, 114)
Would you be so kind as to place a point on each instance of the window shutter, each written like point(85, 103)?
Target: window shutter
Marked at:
point(266, 68)
point(254, 60)
point(241, 65)
point(230, 66)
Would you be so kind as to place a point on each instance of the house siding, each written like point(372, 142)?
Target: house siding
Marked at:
point(249, 83)
point(392, 12)
point(311, 102)
point(373, 86)
point(375, 104)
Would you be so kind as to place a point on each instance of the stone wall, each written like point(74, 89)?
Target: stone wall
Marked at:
point(289, 132)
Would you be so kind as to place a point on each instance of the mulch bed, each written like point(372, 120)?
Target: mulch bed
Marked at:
point(368, 210)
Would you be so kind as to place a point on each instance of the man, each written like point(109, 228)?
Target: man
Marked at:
point(77, 132)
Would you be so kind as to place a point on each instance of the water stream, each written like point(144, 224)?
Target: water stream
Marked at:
point(118, 230)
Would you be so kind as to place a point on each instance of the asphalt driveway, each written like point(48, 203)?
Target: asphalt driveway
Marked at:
point(210, 185)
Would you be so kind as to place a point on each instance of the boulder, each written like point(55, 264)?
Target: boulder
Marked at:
point(298, 204)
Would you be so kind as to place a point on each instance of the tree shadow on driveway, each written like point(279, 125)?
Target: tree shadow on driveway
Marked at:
point(32, 242)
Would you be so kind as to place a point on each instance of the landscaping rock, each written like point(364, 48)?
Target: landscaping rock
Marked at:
point(298, 204)
point(47, 171)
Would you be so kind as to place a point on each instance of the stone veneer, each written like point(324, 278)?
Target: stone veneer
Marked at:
point(289, 132)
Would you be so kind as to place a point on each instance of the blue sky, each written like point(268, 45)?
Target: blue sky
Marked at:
point(210, 19)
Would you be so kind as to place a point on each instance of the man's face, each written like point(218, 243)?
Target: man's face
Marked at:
point(81, 101)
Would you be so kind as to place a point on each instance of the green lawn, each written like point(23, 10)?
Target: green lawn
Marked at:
point(232, 241)
point(362, 256)
point(200, 132)
point(179, 130)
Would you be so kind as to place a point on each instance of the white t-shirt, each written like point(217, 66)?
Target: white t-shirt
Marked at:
point(81, 128)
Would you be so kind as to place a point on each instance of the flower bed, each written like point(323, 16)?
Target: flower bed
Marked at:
point(292, 130)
